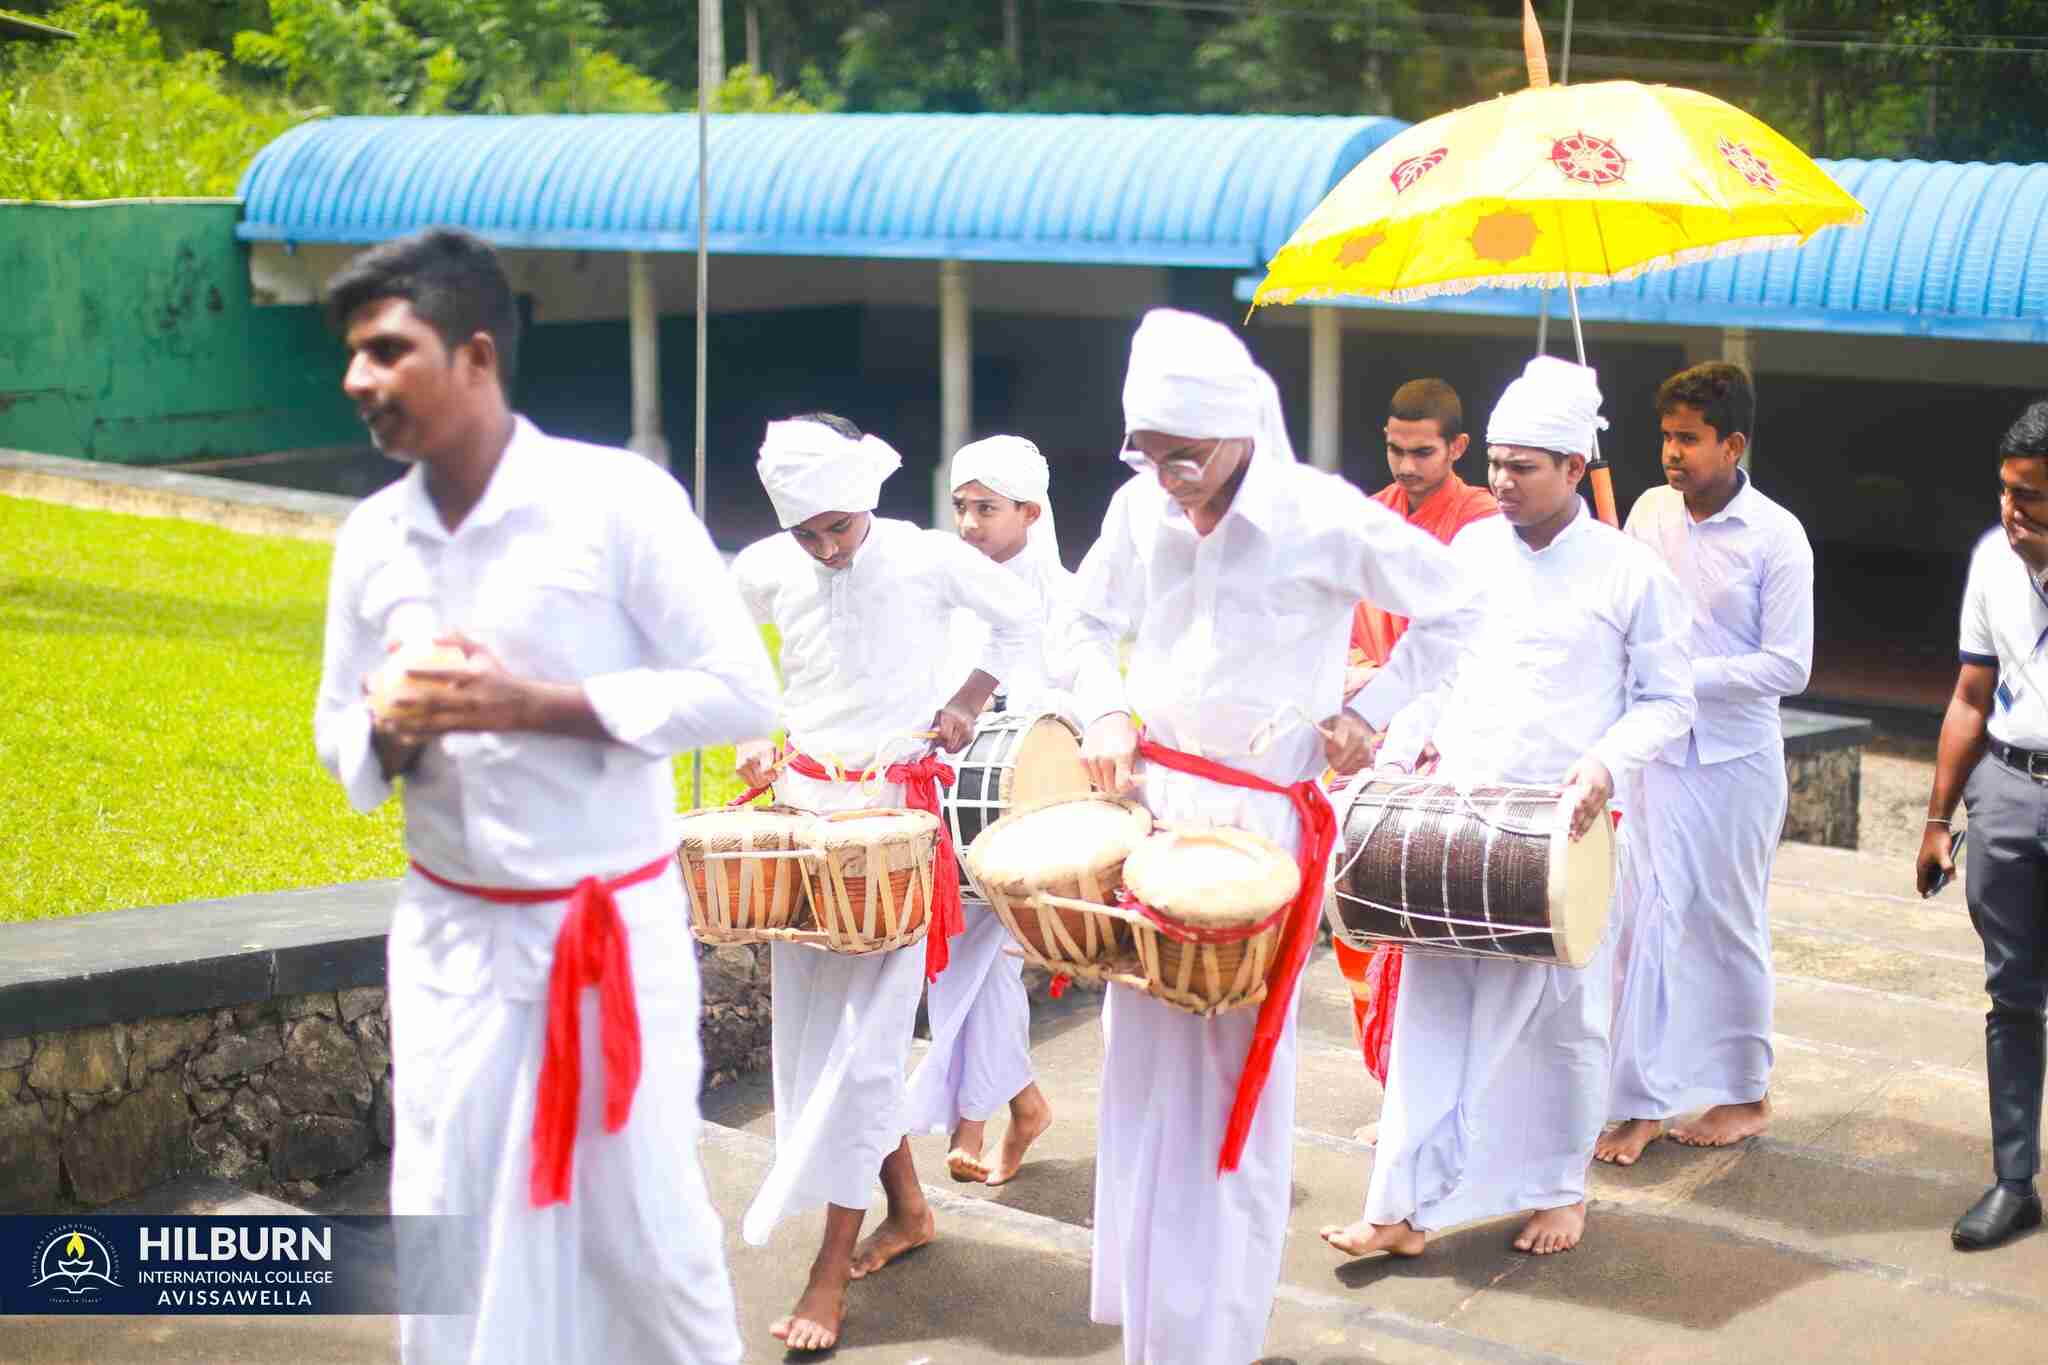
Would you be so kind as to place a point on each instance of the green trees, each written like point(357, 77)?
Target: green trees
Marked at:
point(112, 116)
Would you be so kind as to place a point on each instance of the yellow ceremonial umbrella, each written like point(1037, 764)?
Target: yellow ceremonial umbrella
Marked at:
point(1557, 185)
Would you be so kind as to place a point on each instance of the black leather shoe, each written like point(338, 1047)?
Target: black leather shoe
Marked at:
point(1996, 1217)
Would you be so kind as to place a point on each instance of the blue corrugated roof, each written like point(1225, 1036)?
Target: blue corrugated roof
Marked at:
point(1949, 250)
point(1118, 189)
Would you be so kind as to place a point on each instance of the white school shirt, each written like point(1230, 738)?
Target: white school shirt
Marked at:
point(1250, 624)
point(1581, 651)
point(865, 649)
point(1038, 681)
point(1747, 572)
point(580, 564)
point(2005, 625)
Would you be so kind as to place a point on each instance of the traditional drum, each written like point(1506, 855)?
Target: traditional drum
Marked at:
point(740, 868)
point(1013, 760)
point(1051, 871)
point(1489, 871)
point(869, 877)
point(1209, 907)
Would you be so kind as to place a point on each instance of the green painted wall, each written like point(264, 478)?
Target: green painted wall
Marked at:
point(127, 334)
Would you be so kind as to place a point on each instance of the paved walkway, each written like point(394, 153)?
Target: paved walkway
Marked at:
point(1827, 1240)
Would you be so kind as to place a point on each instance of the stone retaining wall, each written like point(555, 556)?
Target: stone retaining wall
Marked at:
point(1826, 787)
point(147, 1043)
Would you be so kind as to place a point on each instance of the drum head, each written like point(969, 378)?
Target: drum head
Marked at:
point(1057, 841)
point(1047, 763)
point(1581, 885)
point(1214, 878)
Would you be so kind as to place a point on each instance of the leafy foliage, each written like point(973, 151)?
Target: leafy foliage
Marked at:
point(111, 116)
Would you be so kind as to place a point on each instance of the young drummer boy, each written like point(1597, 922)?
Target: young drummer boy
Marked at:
point(863, 604)
point(980, 1058)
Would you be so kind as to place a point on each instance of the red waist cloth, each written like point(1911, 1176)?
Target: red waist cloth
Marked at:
point(590, 950)
point(1297, 936)
point(921, 781)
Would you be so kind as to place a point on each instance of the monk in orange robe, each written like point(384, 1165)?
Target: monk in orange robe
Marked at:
point(1425, 437)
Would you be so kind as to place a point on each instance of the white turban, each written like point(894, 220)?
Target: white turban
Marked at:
point(1012, 467)
point(808, 468)
point(1191, 376)
point(1555, 405)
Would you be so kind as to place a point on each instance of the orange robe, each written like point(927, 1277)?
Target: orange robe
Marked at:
point(1375, 977)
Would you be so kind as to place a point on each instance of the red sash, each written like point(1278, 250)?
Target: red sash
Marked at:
point(921, 781)
point(1297, 935)
point(590, 950)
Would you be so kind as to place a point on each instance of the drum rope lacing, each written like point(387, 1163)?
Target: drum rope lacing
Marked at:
point(1188, 933)
point(1400, 788)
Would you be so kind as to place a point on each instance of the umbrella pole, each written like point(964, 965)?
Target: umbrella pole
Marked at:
point(1597, 471)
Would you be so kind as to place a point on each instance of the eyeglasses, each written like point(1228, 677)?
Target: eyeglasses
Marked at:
point(1179, 469)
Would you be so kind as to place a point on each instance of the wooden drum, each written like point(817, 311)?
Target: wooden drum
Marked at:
point(1015, 759)
point(1051, 872)
point(1489, 871)
point(740, 869)
point(1212, 904)
point(869, 877)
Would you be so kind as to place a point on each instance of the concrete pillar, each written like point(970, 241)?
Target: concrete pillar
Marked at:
point(956, 382)
point(644, 316)
point(1738, 347)
point(1326, 388)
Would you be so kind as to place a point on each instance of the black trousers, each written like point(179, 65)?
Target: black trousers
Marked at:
point(2007, 884)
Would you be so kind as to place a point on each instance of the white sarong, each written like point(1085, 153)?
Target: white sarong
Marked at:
point(842, 1027)
point(632, 1268)
point(1497, 1089)
point(1187, 1260)
point(1692, 1023)
point(980, 1056)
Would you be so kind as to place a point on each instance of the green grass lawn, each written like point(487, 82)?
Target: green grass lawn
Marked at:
point(156, 718)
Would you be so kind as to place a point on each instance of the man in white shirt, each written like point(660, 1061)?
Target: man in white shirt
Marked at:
point(1692, 1030)
point(2001, 704)
point(602, 636)
point(864, 605)
point(1577, 677)
point(1236, 569)
point(980, 1057)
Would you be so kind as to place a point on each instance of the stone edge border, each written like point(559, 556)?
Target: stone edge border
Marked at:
point(227, 503)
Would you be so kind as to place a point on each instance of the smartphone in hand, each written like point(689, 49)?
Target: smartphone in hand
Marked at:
point(1955, 857)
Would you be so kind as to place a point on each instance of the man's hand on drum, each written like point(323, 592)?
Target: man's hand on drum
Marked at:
point(953, 727)
point(1109, 751)
point(1596, 788)
point(1348, 742)
point(754, 761)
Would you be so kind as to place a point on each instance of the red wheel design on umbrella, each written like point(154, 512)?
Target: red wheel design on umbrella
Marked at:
point(1414, 168)
point(1748, 164)
point(1588, 159)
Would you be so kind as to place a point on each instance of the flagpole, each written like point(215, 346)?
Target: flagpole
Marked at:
point(705, 34)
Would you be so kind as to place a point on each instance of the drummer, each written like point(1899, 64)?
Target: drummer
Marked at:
point(1578, 676)
point(1236, 569)
point(980, 1057)
point(862, 603)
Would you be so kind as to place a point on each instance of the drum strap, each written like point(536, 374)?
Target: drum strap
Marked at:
point(590, 950)
point(1297, 936)
point(921, 779)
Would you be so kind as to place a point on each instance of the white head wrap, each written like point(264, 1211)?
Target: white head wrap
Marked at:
point(1555, 405)
point(1191, 376)
point(808, 468)
point(1012, 467)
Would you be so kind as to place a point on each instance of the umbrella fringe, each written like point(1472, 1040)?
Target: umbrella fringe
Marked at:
point(1552, 279)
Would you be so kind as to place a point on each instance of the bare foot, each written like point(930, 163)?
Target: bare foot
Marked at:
point(1624, 1146)
point(1724, 1125)
point(890, 1240)
point(1550, 1230)
point(1367, 1133)
point(813, 1325)
point(964, 1161)
point(1030, 1116)
point(1363, 1239)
